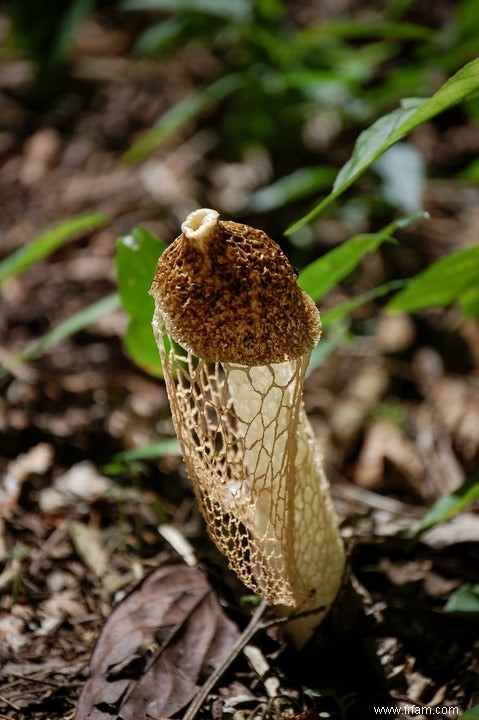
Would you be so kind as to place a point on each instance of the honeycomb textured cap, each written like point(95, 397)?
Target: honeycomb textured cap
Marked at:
point(229, 294)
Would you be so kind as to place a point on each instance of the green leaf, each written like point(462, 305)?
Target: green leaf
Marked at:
point(160, 37)
point(48, 242)
point(450, 505)
point(327, 345)
point(390, 128)
point(167, 446)
point(321, 275)
point(351, 29)
point(331, 317)
point(235, 10)
point(292, 187)
point(443, 283)
point(471, 714)
point(136, 259)
point(464, 600)
point(79, 321)
point(141, 347)
point(180, 115)
point(73, 15)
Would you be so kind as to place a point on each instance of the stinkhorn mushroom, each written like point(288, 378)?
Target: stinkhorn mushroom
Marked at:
point(235, 332)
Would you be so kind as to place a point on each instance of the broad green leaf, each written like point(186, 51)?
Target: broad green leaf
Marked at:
point(141, 347)
point(48, 242)
point(321, 275)
point(450, 505)
point(443, 283)
point(79, 321)
point(464, 600)
point(136, 258)
point(235, 10)
point(180, 115)
point(390, 128)
point(292, 187)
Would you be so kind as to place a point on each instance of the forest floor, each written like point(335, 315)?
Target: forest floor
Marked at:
point(396, 412)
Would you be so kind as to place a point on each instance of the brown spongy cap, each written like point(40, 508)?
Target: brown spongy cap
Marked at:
point(228, 293)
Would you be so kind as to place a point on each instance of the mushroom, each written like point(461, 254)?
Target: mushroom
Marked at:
point(235, 333)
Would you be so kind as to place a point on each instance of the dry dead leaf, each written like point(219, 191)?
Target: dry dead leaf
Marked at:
point(385, 441)
point(12, 633)
point(463, 528)
point(394, 333)
point(36, 461)
point(157, 646)
point(364, 392)
point(456, 402)
point(442, 471)
point(82, 482)
point(88, 542)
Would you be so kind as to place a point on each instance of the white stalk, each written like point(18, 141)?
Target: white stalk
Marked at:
point(294, 522)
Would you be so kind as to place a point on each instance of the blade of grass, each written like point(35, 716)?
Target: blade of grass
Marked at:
point(237, 11)
point(292, 187)
point(321, 275)
point(180, 115)
point(331, 317)
point(48, 242)
point(167, 446)
point(75, 323)
point(448, 506)
point(328, 345)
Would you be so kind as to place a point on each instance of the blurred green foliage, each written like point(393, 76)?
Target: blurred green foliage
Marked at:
point(373, 77)
point(45, 31)
point(287, 72)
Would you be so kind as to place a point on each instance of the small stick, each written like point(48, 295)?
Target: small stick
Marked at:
point(252, 627)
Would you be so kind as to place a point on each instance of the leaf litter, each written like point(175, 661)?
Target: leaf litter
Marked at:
point(156, 648)
point(82, 401)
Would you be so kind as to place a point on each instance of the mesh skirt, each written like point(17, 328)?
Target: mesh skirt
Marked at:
point(256, 471)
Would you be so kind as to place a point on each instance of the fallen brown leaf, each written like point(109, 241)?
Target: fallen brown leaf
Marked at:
point(385, 441)
point(88, 542)
point(156, 648)
point(456, 404)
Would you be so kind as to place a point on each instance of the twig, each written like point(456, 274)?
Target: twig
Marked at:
point(7, 702)
point(252, 627)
